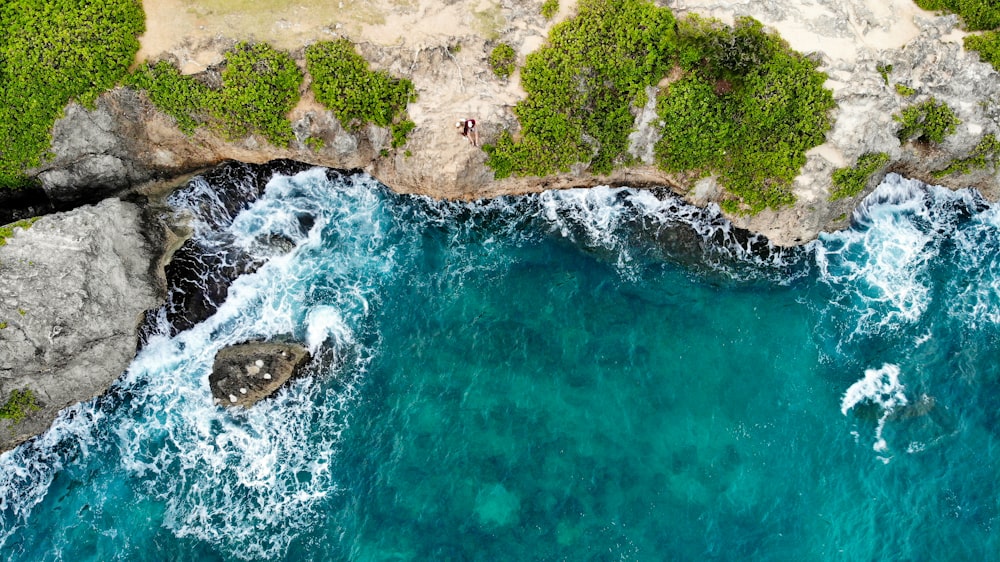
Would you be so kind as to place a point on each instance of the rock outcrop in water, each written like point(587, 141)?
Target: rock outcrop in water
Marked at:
point(245, 374)
point(73, 289)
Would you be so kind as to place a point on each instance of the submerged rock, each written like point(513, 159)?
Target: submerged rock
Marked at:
point(246, 373)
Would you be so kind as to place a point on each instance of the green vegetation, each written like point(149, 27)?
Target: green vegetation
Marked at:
point(928, 121)
point(988, 46)
point(747, 111)
point(52, 52)
point(550, 8)
point(357, 95)
point(745, 108)
point(7, 230)
point(260, 85)
point(503, 60)
point(19, 405)
point(904, 90)
point(885, 70)
point(977, 15)
point(400, 131)
point(581, 87)
point(315, 143)
point(849, 182)
point(985, 154)
point(3, 325)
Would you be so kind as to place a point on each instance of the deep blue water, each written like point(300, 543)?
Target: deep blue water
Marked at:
point(576, 375)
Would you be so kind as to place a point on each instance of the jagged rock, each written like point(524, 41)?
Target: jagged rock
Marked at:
point(246, 373)
point(72, 290)
point(125, 141)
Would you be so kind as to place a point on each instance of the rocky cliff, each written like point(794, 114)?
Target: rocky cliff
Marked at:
point(125, 141)
point(73, 289)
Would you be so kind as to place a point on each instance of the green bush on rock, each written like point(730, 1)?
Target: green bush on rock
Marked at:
point(851, 181)
point(747, 111)
point(985, 154)
point(987, 44)
point(581, 87)
point(19, 405)
point(976, 14)
point(928, 121)
point(52, 52)
point(7, 230)
point(745, 106)
point(260, 85)
point(550, 8)
point(357, 95)
point(503, 60)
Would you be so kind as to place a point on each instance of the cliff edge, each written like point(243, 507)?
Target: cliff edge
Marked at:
point(444, 48)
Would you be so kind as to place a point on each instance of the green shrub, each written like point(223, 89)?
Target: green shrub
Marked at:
point(849, 182)
point(748, 112)
point(7, 230)
point(550, 8)
point(725, 52)
point(357, 95)
point(3, 325)
point(904, 90)
point(19, 405)
point(260, 85)
point(503, 60)
point(928, 121)
point(696, 127)
point(885, 70)
point(400, 131)
point(52, 52)
point(581, 86)
point(984, 154)
point(987, 44)
point(185, 99)
point(976, 14)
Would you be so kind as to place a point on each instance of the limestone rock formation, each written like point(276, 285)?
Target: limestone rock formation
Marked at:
point(125, 141)
point(73, 288)
point(244, 374)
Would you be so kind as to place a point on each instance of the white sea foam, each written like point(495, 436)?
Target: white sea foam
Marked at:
point(247, 481)
point(879, 267)
point(880, 387)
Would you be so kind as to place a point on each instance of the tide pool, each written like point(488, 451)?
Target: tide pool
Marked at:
point(595, 374)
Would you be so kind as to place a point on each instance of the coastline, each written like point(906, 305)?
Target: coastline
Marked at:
point(124, 144)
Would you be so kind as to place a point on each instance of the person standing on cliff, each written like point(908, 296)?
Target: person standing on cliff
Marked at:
point(467, 128)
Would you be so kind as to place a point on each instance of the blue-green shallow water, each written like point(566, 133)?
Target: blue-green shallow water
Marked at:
point(582, 375)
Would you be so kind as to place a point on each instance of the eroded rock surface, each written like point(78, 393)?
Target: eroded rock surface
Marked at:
point(244, 374)
point(126, 141)
point(73, 289)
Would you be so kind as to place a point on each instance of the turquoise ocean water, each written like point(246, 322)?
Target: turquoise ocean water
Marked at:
point(576, 375)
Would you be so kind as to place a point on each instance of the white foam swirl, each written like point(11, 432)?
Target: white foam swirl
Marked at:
point(880, 387)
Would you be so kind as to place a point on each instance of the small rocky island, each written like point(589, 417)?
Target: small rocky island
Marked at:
point(245, 374)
